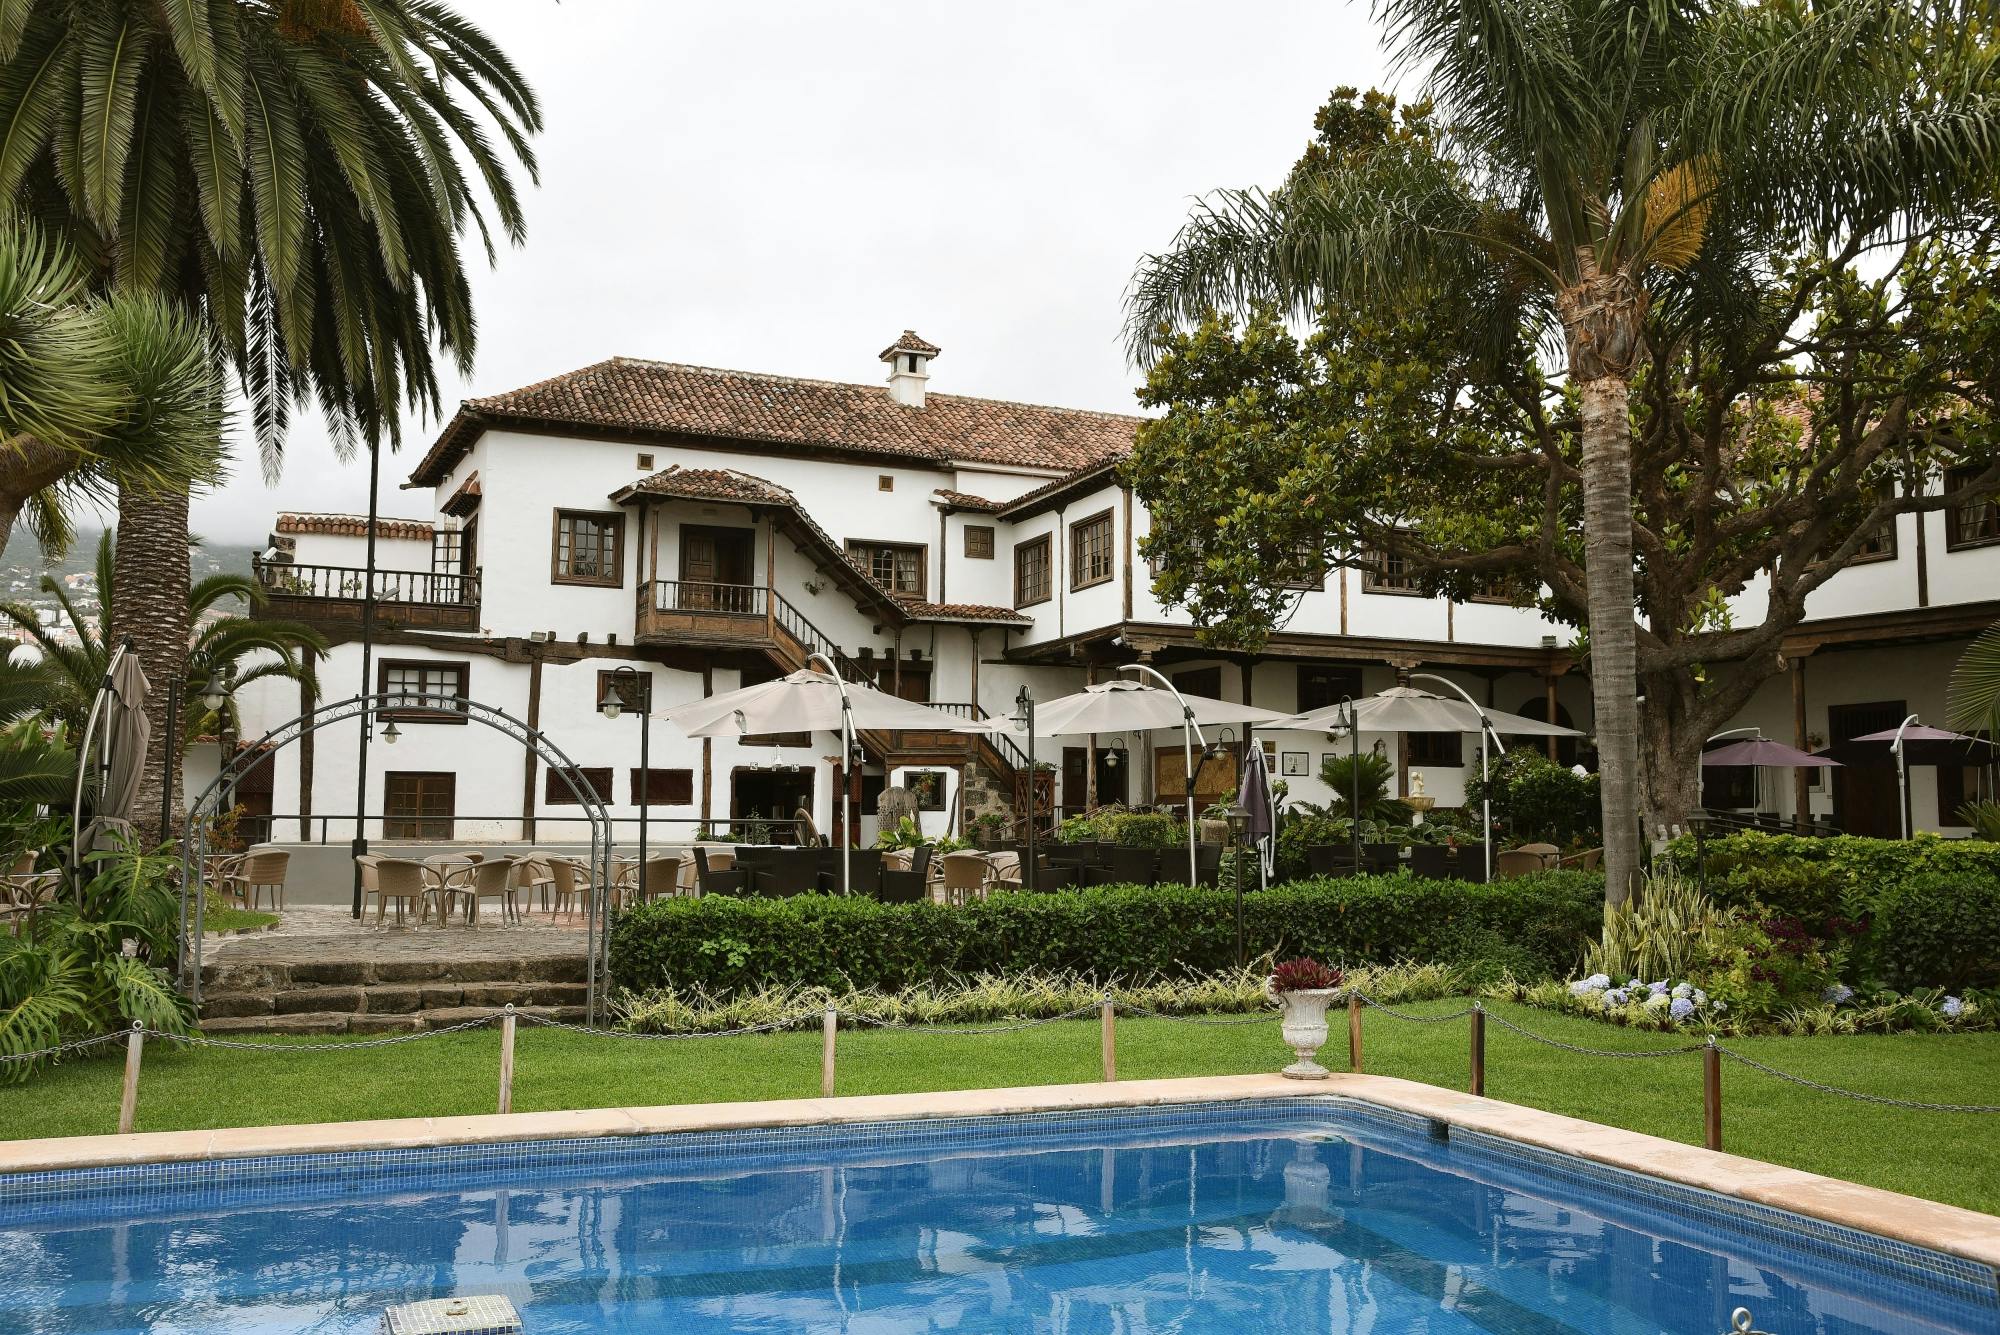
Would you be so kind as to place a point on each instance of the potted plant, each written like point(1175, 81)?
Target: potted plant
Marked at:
point(1304, 987)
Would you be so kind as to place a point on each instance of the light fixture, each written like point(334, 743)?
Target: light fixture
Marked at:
point(391, 733)
point(1115, 753)
point(623, 685)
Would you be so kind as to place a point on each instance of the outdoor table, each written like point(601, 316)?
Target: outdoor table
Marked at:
point(449, 874)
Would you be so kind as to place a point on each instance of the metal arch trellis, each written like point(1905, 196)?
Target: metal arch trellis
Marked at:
point(201, 813)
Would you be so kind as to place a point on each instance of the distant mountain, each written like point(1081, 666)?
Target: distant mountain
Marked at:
point(24, 556)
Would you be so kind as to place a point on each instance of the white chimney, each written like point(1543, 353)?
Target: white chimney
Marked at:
point(909, 359)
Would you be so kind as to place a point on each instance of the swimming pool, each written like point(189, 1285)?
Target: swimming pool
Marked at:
point(1312, 1214)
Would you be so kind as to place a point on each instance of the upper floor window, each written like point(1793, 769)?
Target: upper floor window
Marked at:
point(897, 567)
point(1496, 588)
point(1323, 686)
point(589, 548)
point(1090, 560)
point(979, 541)
point(1443, 749)
point(1879, 544)
point(1387, 572)
point(1031, 572)
point(1976, 523)
point(408, 681)
point(1304, 567)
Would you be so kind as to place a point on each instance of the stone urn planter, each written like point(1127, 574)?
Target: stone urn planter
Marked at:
point(1303, 1024)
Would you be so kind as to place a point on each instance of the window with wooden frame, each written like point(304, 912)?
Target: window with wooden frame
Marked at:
point(761, 740)
point(1091, 557)
point(589, 548)
point(979, 542)
point(1496, 587)
point(1304, 567)
point(1199, 681)
point(661, 787)
point(1879, 545)
point(1387, 572)
point(418, 805)
point(896, 566)
point(595, 779)
point(1443, 749)
point(1031, 571)
point(407, 681)
point(1976, 523)
point(1320, 687)
point(1728, 787)
point(634, 689)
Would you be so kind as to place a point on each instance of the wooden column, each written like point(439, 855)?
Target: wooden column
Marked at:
point(306, 703)
point(974, 634)
point(530, 766)
point(1090, 754)
point(1923, 562)
point(1801, 779)
point(1131, 552)
point(1549, 716)
point(707, 757)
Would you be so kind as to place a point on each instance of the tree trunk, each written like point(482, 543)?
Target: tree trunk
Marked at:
point(1614, 678)
point(26, 467)
point(1670, 744)
point(149, 603)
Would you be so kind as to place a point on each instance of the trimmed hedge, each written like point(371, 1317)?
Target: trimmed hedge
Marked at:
point(1536, 925)
point(1932, 905)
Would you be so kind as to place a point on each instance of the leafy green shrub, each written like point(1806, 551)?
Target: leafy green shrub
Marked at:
point(1536, 799)
point(1301, 830)
point(1338, 773)
point(1940, 929)
point(1116, 825)
point(1534, 925)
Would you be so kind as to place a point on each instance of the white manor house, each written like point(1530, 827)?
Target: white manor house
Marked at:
point(709, 529)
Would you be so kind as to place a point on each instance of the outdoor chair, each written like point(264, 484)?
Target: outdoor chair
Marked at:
point(911, 883)
point(1208, 864)
point(450, 878)
point(1125, 865)
point(795, 871)
point(1516, 862)
point(493, 879)
point(1054, 876)
point(1548, 853)
point(663, 877)
point(1071, 855)
point(1381, 859)
point(717, 877)
point(1470, 864)
point(569, 882)
point(1330, 859)
point(531, 873)
point(755, 860)
point(900, 888)
point(1588, 860)
point(864, 870)
point(259, 872)
point(1432, 861)
point(400, 879)
point(966, 875)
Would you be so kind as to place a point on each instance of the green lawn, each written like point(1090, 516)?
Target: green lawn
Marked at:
point(1945, 1156)
point(234, 920)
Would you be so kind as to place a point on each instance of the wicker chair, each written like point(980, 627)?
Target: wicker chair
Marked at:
point(259, 871)
point(493, 878)
point(966, 875)
point(400, 879)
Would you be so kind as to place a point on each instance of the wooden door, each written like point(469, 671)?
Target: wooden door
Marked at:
point(717, 565)
point(1865, 796)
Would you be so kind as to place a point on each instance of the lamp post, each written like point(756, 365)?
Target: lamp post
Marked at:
point(1239, 827)
point(1346, 721)
point(626, 679)
point(1024, 710)
point(1485, 731)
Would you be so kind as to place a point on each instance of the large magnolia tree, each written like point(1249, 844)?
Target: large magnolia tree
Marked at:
point(1596, 150)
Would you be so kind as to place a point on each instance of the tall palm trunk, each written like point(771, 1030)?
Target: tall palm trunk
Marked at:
point(150, 604)
point(1602, 316)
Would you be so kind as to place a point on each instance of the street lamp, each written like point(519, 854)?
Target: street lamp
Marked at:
point(1239, 829)
point(214, 693)
point(1345, 723)
point(1024, 713)
point(391, 733)
point(626, 684)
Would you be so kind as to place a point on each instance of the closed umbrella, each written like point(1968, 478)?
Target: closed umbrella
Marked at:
point(119, 725)
point(810, 701)
point(1255, 799)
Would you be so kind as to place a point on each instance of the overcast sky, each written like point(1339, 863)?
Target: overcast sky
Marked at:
point(784, 187)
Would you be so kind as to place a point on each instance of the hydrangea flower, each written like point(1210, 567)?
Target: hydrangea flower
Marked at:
point(1683, 991)
point(1655, 1000)
point(1953, 1007)
point(1617, 996)
point(1837, 994)
point(1634, 984)
point(1658, 989)
point(1597, 982)
point(1700, 997)
point(1721, 1006)
point(1681, 1008)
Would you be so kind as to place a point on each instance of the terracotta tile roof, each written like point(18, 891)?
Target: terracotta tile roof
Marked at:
point(964, 500)
point(964, 612)
point(629, 397)
point(355, 526)
point(713, 484)
point(1029, 502)
point(909, 342)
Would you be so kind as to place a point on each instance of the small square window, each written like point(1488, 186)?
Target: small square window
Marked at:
point(646, 462)
point(979, 541)
point(884, 482)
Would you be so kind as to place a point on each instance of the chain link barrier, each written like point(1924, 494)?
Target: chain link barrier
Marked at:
point(1405, 1016)
point(361, 1045)
point(73, 1045)
point(1883, 1099)
point(1264, 1017)
point(873, 1023)
point(1641, 1054)
point(771, 1026)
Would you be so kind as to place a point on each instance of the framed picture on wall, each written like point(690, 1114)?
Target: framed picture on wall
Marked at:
point(1328, 757)
point(927, 786)
point(1295, 763)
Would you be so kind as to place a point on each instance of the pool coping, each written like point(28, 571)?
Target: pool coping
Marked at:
point(1950, 1229)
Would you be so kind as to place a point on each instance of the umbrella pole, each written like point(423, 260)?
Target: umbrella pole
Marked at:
point(1189, 731)
point(1903, 776)
point(848, 817)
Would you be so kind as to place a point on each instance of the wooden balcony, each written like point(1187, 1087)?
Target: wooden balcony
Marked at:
point(331, 599)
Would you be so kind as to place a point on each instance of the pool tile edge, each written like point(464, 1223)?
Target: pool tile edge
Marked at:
point(1944, 1228)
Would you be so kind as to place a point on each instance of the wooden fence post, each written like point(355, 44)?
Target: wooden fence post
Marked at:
point(1108, 1022)
point(1354, 1031)
point(128, 1099)
point(1711, 1094)
point(829, 1025)
point(507, 1060)
point(1478, 1084)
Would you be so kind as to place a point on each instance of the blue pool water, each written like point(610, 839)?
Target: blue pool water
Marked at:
point(1312, 1215)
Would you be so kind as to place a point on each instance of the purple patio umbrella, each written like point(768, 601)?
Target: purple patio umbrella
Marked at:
point(1765, 754)
point(1912, 742)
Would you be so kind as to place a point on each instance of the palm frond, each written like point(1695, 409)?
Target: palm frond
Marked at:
point(1975, 684)
point(37, 767)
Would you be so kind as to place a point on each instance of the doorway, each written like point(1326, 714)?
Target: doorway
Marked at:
point(1111, 779)
point(774, 794)
point(718, 569)
point(1864, 796)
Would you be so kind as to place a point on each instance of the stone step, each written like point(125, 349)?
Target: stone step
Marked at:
point(273, 976)
point(381, 999)
point(307, 1023)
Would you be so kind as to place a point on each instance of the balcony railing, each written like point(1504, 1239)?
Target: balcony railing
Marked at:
point(426, 587)
point(691, 595)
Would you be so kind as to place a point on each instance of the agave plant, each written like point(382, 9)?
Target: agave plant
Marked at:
point(1656, 935)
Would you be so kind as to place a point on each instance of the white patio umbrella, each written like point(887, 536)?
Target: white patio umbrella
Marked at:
point(810, 701)
point(1137, 706)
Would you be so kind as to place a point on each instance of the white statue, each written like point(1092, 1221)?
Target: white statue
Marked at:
point(1416, 783)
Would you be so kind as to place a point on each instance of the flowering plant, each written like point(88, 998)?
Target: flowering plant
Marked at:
point(1303, 975)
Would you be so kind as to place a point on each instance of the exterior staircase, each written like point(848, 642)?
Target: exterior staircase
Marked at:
point(380, 996)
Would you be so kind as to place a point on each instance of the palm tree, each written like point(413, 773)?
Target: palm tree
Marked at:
point(1596, 149)
point(230, 649)
point(294, 171)
point(95, 392)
